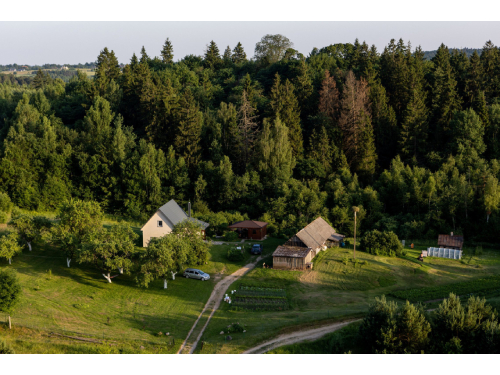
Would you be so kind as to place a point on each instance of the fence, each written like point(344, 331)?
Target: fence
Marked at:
point(444, 253)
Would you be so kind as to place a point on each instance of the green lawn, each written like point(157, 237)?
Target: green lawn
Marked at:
point(334, 291)
point(78, 301)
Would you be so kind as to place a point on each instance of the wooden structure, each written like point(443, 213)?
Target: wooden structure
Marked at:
point(292, 257)
point(300, 249)
point(250, 229)
point(450, 241)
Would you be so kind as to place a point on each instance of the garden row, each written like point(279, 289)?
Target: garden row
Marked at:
point(260, 298)
point(481, 287)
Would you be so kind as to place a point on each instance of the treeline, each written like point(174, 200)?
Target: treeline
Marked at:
point(88, 65)
point(281, 138)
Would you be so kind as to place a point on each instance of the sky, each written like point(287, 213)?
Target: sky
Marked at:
point(59, 42)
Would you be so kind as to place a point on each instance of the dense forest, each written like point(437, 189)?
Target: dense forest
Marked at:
point(280, 137)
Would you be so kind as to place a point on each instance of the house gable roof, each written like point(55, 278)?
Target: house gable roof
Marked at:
point(248, 224)
point(175, 214)
point(316, 233)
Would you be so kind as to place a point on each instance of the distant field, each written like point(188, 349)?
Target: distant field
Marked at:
point(31, 73)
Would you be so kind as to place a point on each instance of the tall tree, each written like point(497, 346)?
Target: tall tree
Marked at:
point(414, 128)
point(145, 59)
point(212, 56)
point(490, 59)
point(355, 123)
point(239, 56)
point(285, 106)
point(167, 52)
point(187, 139)
point(272, 48)
point(247, 128)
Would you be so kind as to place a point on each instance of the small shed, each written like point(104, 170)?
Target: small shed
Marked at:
point(449, 241)
point(250, 229)
point(292, 257)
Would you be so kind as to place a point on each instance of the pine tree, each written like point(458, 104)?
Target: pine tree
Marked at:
point(414, 128)
point(227, 55)
point(239, 56)
point(134, 61)
point(321, 149)
point(144, 56)
point(304, 90)
point(479, 106)
point(212, 56)
point(286, 107)
point(187, 139)
point(490, 59)
point(247, 128)
point(41, 79)
point(357, 131)
point(474, 79)
point(329, 97)
point(167, 53)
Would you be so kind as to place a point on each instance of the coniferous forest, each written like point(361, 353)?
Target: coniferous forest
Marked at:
point(281, 137)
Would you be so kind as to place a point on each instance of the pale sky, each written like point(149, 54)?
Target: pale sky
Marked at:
point(79, 42)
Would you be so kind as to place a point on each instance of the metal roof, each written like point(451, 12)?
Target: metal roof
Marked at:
point(291, 251)
point(176, 214)
point(450, 241)
point(316, 233)
point(248, 224)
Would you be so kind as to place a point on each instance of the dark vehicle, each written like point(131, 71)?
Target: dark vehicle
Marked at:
point(257, 249)
point(193, 273)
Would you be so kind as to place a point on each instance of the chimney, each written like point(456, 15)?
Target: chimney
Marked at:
point(189, 211)
point(451, 234)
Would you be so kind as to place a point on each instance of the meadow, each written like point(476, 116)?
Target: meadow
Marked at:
point(120, 317)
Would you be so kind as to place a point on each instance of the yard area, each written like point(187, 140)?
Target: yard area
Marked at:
point(334, 291)
point(79, 302)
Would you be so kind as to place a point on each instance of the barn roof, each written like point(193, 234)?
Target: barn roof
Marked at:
point(176, 214)
point(447, 240)
point(336, 237)
point(291, 251)
point(316, 233)
point(248, 224)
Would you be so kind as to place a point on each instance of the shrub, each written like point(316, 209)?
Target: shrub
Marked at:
point(235, 255)
point(3, 217)
point(5, 203)
point(381, 243)
point(5, 348)
point(230, 236)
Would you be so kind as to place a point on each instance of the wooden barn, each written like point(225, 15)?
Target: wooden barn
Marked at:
point(293, 257)
point(250, 229)
point(300, 249)
point(449, 241)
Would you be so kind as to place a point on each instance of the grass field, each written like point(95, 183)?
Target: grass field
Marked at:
point(123, 318)
point(79, 302)
point(32, 73)
point(334, 291)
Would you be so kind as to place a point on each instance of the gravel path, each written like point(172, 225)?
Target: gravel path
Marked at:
point(299, 336)
point(214, 302)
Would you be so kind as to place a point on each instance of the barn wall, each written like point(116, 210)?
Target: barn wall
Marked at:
point(289, 263)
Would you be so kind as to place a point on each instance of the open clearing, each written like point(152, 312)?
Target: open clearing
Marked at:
point(120, 317)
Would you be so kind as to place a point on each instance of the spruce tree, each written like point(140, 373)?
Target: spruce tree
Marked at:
point(285, 106)
point(187, 138)
point(414, 128)
point(227, 55)
point(474, 79)
point(239, 56)
point(490, 59)
point(167, 52)
point(247, 128)
point(304, 90)
point(212, 56)
point(144, 56)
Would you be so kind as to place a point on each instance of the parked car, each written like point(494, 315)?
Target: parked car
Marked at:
point(193, 273)
point(257, 249)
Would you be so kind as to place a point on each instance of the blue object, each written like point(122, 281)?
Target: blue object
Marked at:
point(342, 244)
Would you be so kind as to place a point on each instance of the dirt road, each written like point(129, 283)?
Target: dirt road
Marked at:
point(299, 336)
point(214, 302)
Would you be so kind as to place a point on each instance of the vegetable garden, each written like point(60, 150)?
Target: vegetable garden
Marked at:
point(260, 298)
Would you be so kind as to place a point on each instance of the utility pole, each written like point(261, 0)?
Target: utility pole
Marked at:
point(355, 209)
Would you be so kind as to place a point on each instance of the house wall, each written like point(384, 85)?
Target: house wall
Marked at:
point(289, 263)
point(151, 229)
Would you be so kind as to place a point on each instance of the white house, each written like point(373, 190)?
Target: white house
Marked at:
point(164, 220)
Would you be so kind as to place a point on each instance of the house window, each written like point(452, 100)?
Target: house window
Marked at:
point(160, 223)
point(254, 231)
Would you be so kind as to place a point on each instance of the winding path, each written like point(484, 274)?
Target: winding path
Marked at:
point(298, 336)
point(214, 302)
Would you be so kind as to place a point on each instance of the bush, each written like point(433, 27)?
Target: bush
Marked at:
point(5, 348)
point(3, 217)
point(5, 203)
point(381, 243)
point(235, 255)
point(230, 236)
